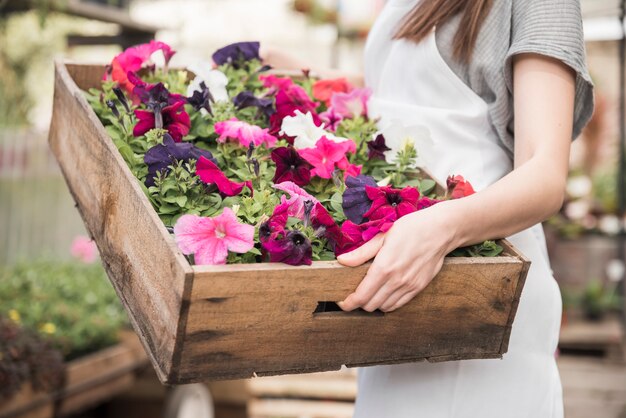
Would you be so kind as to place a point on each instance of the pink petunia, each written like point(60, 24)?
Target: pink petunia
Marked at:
point(210, 173)
point(352, 104)
point(327, 155)
point(132, 59)
point(244, 133)
point(297, 198)
point(84, 249)
point(331, 119)
point(210, 239)
point(355, 235)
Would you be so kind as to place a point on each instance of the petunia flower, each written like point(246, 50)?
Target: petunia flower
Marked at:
point(210, 239)
point(293, 249)
point(275, 83)
point(173, 118)
point(356, 202)
point(458, 187)
point(377, 148)
point(351, 105)
point(133, 59)
point(331, 119)
point(289, 97)
point(160, 157)
point(274, 227)
point(248, 99)
point(237, 53)
point(210, 173)
point(426, 202)
point(297, 198)
point(326, 154)
point(391, 203)
point(325, 226)
point(323, 90)
point(290, 166)
point(244, 133)
point(215, 80)
point(304, 131)
point(84, 249)
point(398, 136)
point(201, 99)
point(355, 235)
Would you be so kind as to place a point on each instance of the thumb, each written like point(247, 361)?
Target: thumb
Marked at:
point(364, 253)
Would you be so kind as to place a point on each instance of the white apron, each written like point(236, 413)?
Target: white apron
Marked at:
point(413, 85)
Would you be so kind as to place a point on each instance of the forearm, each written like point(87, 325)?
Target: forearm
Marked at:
point(528, 195)
point(280, 60)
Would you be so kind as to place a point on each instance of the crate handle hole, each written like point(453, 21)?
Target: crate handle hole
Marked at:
point(329, 308)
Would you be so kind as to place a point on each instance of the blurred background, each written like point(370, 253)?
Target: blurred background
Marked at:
point(59, 318)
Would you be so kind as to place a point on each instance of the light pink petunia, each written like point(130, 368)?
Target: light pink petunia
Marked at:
point(297, 197)
point(244, 133)
point(327, 155)
point(352, 104)
point(210, 239)
point(84, 249)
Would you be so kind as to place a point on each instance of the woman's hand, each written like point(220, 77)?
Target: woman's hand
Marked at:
point(407, 258)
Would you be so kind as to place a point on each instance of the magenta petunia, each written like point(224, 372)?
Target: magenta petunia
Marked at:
point(331, 119)
point(210, 173)
point(325, 226)
point(327, 155)
point(297, 198)
point(244, 133)
point(355, 235)
point(290, 166)
point(352, 104)
point(391, 203)
point(173, 118)
point(274, 227)
point(293, 249)
point(210, 239)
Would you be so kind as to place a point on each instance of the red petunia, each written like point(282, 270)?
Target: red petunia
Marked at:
point(391, 203)
point(459, 187)
point(323, 90)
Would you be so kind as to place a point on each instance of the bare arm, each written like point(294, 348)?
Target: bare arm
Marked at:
point(281, 60)
point(405, 263)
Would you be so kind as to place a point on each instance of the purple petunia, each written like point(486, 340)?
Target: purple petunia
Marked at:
point(293, 249)
point(290, 166)
point(377, 148)
point(356, 202)
point(202, 99)
point(160, 157)
point(237, 53)
point(248, 99)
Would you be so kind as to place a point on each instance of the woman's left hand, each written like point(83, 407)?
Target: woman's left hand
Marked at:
point(407, 258)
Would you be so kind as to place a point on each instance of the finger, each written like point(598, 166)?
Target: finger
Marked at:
point(371, 283)
point(393, 299)
point(404, 300)
point(387, 289)
point(364, 253)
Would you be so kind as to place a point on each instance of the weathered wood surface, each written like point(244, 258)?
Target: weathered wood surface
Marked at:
point(89, 380)
point(605, 336)
point(148, 272)
point(226, 322)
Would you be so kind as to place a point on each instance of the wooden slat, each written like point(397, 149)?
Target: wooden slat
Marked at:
point(246, 320)
point(329, 385)
point(293, 408)
point(148, 272)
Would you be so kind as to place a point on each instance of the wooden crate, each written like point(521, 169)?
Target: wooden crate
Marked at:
point(89, 380)
point(202, 323)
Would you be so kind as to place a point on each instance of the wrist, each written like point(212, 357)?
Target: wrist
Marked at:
point(451, 214)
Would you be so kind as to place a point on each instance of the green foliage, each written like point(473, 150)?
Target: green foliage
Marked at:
point(73, 305)
point(485, 249)
point(596, 300)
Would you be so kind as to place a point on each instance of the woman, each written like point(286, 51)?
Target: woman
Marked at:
point(502, 88)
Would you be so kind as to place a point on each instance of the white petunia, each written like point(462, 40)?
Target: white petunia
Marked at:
point(398, 136)
point(215, 80)
point(304, 131)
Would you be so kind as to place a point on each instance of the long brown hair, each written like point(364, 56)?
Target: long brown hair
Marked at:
point(428, 13)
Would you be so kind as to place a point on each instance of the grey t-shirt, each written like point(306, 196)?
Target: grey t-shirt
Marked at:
point(548, 27)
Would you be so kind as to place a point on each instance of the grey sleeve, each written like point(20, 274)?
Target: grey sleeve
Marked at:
point(553, 28)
